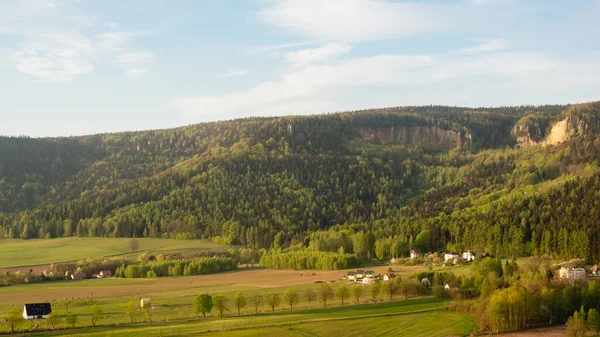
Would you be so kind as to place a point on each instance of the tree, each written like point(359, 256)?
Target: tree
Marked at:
point(97, 314)
point(257, 299)
point(52, 320)
point(14, 319)
point(239, 301)
point(374, 291)
point(220, 302)
point(356, 292)
point(593, 322)
point(272, 300)
point(310, 295)
point(389, 289)
point(325, 294)
point(203, 304)
point(343, 293)
point(134, 245)
point(576, 326)
point(291, 297)
point(131, 311)
point(72, 319)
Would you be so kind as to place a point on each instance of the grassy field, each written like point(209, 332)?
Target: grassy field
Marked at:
point(418, 317)
point(173, 297)
point(19, 253)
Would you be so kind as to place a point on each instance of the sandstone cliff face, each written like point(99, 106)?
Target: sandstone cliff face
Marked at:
point(560, 132)
point(416, 136)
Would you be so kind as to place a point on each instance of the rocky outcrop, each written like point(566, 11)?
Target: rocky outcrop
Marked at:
point(416, 136)
point(560, 132)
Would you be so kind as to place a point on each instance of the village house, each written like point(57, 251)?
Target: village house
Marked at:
point(360, 274)
point(369, 274)
point(468, 256)
point(571, 273)
point(594, 271)
point(388, 276)
point(105, 274)
point(36, 310)
point(351, 276)
point(450, 256)
point(78, 276)
point(145, 303)
point(415, 253)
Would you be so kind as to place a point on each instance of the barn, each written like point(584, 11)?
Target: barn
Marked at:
point(36, 310)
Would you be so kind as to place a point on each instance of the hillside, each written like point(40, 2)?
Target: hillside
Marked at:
point(511, 180)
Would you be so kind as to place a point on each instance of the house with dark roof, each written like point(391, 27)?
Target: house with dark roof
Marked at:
point(351, 276)
point(78, 276)
point(36, 310)
point(369, 274)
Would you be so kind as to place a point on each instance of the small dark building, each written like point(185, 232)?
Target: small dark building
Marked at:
point(36, 310)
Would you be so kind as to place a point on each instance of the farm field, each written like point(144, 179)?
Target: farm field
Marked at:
point(417, 317)
point(173, 286)
point(25, 253)
point(172, 296)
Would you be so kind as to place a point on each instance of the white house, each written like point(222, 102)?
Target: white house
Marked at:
point(415, 253)
point(351, 276)
point(450, 256)
point(359, 274)
point(36, 310)
point(105, 274)
point(572, 273)
point(367, 280)
point(468, 256)
point(370, 274)
point(389, 276)
point(447, 286)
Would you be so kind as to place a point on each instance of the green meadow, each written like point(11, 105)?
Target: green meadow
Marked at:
point(19, 253)
point(415, 317)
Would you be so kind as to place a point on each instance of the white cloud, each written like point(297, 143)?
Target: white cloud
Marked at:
point(357, 20)
point(236, 72)
point(324, 53)
point(139, 57)
point(413, 79)
point(136, 72)
point(57, 45)
point(491, 45)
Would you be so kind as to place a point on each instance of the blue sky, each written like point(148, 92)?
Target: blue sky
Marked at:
point(73, 67)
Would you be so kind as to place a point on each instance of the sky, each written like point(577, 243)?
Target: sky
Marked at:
point(75, 67)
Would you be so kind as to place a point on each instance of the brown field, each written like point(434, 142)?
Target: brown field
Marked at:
point(36, 269)
point(259, 278)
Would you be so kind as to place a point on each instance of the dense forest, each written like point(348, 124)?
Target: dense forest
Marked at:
point(374, 183)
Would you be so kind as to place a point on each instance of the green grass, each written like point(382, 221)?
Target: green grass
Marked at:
point(18, 253)
point(417, 317)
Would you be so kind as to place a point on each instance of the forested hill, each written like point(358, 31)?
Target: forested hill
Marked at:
point(513, 180)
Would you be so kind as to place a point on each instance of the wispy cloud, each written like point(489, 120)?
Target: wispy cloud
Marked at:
point(324, 53)
point(487, 46)
point(56, 42)
point(316, 88)
point(136, 72)
point(236, 72)
point(139, 57)
point(355, 20)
